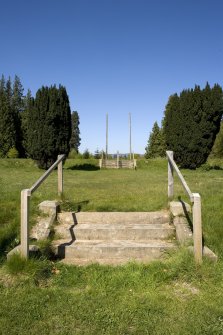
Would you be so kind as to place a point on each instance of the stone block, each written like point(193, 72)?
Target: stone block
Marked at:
point(66, 218)
point(183, 232)
point(49, 207)
point(207, 253)
point(32, 249)
point(179, 208)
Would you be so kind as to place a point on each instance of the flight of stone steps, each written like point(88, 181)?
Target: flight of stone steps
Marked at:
point(117, 164)
point(112, 237)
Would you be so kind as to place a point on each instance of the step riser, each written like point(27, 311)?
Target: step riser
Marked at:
point(121, 234)
point(107, 252)
point(113, 218)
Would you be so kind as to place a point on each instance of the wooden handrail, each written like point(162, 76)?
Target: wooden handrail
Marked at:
point(175, 167)
point(34, 187)
point(25, 201)
point(196, 205)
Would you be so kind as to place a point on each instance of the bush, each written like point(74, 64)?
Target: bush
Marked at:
point(13, 153)
point(86, 154)
point(73, 154)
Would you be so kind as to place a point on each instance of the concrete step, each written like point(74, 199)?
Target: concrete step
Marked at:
point(111, 252)
point(106, 231)
point(113, 217)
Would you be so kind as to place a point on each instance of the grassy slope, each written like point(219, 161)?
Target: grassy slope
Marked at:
point(173, 297)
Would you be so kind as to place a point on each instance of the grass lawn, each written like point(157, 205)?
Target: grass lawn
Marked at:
point(172, 297)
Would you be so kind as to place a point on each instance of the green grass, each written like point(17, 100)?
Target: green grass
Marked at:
point(87, 188)
point(173, 297)
point(170, 297)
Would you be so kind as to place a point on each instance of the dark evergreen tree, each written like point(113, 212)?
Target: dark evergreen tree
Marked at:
point(28, 104)
point(97, 154)
point(49, 125)
point(156, 143)
point(192, 121)
point(75, 139)
point(7, 122)
point(86, 154)
point(17, 103)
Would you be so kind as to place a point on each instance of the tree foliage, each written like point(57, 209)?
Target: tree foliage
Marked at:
point(191, 123)
point(156, 143)
point(75, 139)
point(49, 125)
point(217, 150)
point(9, 117)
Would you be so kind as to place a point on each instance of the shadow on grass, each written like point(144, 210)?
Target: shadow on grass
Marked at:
point(84, 167)
point(70, 206)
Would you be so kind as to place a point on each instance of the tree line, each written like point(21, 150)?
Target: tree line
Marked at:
point(189, 127)
point(40, 128)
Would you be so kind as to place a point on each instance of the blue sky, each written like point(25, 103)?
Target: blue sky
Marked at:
point(113, 56)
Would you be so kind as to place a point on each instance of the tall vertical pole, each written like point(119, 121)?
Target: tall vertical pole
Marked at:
point(130, 137)
point(106, 136)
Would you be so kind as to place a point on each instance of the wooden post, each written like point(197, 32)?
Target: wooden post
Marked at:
point(197, 228)
point(24, 248)
point(130, 137)
point(60, 177)
point(106, 157)
point(170, 177)
point(117, 160)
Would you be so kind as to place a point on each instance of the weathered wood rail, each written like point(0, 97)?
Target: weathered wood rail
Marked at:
point(25, 201)
point(196, 205)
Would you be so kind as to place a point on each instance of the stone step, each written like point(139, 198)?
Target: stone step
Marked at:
point(111, 252)
point(106, 231)
point(71, 218)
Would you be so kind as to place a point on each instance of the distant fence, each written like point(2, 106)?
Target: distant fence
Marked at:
point(25, 200)
point(196, 205)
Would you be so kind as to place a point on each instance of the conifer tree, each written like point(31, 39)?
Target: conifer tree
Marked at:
point(7, 122)
point(17, 104)
point(49, 125)
point(28, 103)
point(192, 121)
point(75, 139)
point(156, 144)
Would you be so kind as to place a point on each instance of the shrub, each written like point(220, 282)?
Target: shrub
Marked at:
point(13, 153)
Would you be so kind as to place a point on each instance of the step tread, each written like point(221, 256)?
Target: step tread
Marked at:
point(114, 217)
point(114, 226)
point(116, 243)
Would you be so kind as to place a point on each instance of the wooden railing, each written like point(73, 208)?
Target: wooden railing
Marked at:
point(196, 205)
point(25, 200)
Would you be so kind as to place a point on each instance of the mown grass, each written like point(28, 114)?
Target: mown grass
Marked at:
point(86, 188)
point(170, 297)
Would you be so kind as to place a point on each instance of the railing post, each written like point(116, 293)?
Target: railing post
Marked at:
point(197, 228)
point(170, 176)
point(60, 176)
point(24, 247)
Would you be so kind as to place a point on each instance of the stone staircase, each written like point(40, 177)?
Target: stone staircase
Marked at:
point(112, 237)
point(117, 163)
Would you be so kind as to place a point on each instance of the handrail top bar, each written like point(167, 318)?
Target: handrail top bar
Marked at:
point(174, 165)
point(46, 174)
